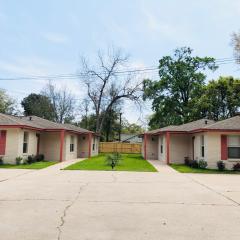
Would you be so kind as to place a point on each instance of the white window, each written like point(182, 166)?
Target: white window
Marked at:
point(234, 146)
point(161, 145)
point(25, 142)
point(71, 143)
point(202, 146)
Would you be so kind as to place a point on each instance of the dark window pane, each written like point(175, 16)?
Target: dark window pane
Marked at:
point(161, 148)
point(202, 151)
point(24, 147)
point(234, 152)
point(71, 147)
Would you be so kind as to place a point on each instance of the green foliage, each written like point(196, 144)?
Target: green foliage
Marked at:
point(35, 158)
point(24, 165)
point(187, 161)
point(194, 164)
point(110, 128)
point(38, 105)
point(236, 167)
point(6, 103)
point(221, 99)
point(131, 128)
point(130, 162)
point(113, 159)
point(221, 165)
point(202, 164)
point(1, 160)
point(186, 169)
point(19, 160)
point(181, 83)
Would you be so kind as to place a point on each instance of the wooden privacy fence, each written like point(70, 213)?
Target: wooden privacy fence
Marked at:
point(109, 147)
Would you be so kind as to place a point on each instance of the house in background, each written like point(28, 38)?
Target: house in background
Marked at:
point(24, 136)
point(202, 139)
point(130, 138)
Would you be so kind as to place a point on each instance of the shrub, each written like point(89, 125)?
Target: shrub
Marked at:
point(1, 161)
point(187, 161)
point(24, 161)
point(202, 164)
point(194, 164)
point(236, 167)
point(113, 159)
point(18, 160)
point(221, 165)
point(39, 157)
point(31, 159)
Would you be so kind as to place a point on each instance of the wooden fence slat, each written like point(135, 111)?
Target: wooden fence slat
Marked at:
point(108, 147)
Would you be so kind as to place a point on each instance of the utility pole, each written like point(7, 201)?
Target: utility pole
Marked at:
point(120, 127)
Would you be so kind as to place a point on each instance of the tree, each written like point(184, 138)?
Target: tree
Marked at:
point(181, 82)
point(110, 126)
point(131, 128)
point(62, 101)
point(89, 121)
point(84, 107)
point(221, 99)
point(236, 45)
point(106, 85)
point(6, 103)
point(38, 105)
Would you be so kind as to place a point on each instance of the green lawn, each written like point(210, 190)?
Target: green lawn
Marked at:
point(186, 169)
point(36, 165)
point(130, 162)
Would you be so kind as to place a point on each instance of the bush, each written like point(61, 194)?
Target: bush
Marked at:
point(24, 161)
point(31, 159)
point(187, 161)
point(113, 159)
point(194, 164)
point(18, 160)
point(39, 157)
point(1, 161)
point(202, 164)
point(221, 165)
point(236, 167)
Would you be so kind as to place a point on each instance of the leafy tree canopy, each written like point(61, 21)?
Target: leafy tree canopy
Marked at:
point(38, 105)
point(131, 128)
point(6, 103)
point(182, 80)
point(221, 99)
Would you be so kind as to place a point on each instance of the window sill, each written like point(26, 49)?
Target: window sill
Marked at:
point(234, 159)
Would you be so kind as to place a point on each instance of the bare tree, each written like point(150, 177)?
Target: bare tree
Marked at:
point(63, 103)
point(236, 45)
point(107, 83)
point(85, 108)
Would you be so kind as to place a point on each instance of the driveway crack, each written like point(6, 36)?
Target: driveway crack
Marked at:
point(212, 190)
point(65, 211)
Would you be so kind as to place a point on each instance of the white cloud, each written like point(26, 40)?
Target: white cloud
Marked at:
point(55, 37)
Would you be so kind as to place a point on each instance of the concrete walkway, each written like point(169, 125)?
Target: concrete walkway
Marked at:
point(57, 204)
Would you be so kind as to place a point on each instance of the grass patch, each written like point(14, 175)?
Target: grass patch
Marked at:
point(186, 169)
point(36, 165)
point(130, 162)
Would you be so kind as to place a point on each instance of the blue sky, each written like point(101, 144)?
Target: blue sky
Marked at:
point(48, 36)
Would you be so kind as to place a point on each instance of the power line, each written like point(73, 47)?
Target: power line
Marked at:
point(220, 61)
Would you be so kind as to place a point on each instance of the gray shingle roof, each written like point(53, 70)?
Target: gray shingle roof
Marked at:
point(37, 122)
point(187, 127)
point(228, 124)
point(195, 125)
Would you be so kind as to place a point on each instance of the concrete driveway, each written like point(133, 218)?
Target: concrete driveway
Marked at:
point(51, 204)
